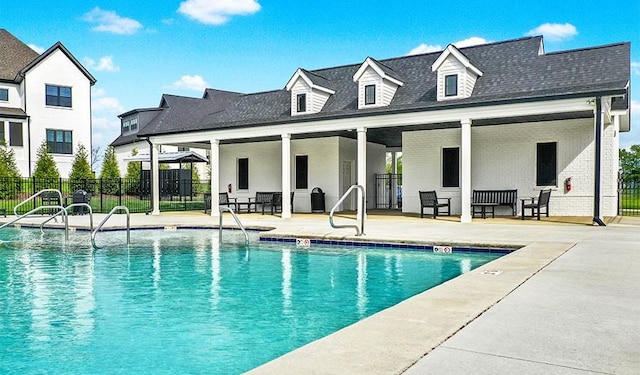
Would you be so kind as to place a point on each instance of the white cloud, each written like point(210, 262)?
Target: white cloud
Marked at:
point(111, 22)
point(554, 32)
point(635, 68)
point(37, 48)
point(106, 104)
point(473, 41)
point(104, 65)
point(426, 48)
point(217, 12)
point(195, 82)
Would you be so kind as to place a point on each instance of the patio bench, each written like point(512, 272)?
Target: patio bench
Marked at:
point(482, 198)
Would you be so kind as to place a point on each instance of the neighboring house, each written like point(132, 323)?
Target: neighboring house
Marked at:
point(503, 115)
point(43, 97)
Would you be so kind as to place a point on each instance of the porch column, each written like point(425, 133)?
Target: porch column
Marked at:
point(215, 177)
point(362, 172)
point(286, 176)
point(465, 171)
point(154, 151)
point(393, 181)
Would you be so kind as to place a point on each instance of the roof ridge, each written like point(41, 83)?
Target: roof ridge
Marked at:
point(588, 48)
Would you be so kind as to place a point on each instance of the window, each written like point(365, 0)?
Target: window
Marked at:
point(15, 134)
point(546, 172)
point(451, 167)
point(243, 174)
point(370, 94)
point(302, 171)
point(451, 85)
point(4, 95)
point(134, 124)
point(59, 141)
point(182, 148)
point(301, 103)
point(58, 96)
point(125, 126)
point(2, 139)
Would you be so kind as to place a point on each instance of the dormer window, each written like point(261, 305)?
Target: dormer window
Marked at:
point(309, 92)
point(370, 94)
point(301, 103)
point(451, 85)
point(377, 84)
point(125, 126)
point(456, 75)
point(133, 125)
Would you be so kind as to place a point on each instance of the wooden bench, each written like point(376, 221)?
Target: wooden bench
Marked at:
point(482, 198)
point(429, 199)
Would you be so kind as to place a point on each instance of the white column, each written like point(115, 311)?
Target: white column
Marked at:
point(155, 178)
point(286, 176)
point(393, 183)
point(215, 177)
point(465, 170)
point(362, 172)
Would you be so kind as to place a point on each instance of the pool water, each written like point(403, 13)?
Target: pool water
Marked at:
point(180, 303)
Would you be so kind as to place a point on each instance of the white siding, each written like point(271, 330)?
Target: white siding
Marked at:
point(504, 157)
point(369, 77)
point(388, 91)
point(15, 95)
point(466, 79)
point(316, 99)
point(57, 69)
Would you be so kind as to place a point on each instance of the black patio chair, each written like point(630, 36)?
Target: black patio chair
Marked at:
point(537, 205)
point(429, 199)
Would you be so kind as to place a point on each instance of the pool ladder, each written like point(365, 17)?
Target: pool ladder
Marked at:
point(113, 210)
point(235, 217)
point(359, 228)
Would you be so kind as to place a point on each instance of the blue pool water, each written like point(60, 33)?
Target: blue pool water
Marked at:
point(179, 303)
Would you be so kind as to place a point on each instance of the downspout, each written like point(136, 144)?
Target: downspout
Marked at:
point(597, 219)
point(150, 173)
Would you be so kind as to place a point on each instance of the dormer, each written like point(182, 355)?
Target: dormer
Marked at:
point(456, 75)
point(309, 92)
point(377, 84)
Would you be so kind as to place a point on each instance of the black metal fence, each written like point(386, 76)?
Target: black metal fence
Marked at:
point(388, 190)
point(104, 194)
point(629, 197)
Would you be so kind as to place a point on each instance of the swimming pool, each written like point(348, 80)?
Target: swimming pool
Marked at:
point(178, 302)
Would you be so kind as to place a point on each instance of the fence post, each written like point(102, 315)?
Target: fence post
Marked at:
point(101, 193)
point(33, 191)
point(120, 191)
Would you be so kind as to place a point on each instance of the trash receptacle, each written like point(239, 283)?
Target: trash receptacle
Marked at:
point(80, 196)
point(317, 200)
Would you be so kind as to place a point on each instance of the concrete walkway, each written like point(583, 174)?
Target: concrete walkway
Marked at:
point(565, 303)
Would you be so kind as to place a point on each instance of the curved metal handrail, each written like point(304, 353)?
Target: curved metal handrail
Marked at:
point(40, 208)
point(67, 209)
point(113, 210)
point(15, 209)
point(235, 217)
point(359, 229)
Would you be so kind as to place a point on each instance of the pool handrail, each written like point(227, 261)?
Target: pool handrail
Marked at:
point(99, 226)
point(359, 228)
point(67, 208)
point(15, 209)
point(235, 217)
point(40, 208)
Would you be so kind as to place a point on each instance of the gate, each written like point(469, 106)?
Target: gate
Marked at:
point(629, 197)
point(388, 191)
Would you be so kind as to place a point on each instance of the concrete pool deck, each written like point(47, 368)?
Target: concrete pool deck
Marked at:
point(565, 303)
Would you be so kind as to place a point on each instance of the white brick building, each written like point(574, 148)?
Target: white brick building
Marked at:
point(463, 119)
point(43, 97)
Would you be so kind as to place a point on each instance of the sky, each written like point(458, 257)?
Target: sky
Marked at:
point(139, 50)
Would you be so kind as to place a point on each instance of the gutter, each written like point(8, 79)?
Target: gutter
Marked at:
point(597, 218)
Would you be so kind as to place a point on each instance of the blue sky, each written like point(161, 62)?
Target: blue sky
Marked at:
point(139, 50)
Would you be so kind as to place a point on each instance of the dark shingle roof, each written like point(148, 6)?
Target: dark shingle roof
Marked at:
point(512, 70)
point(14, 55)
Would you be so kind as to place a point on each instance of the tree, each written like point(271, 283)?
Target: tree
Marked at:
point(10, 181)
point(81, 176)
point(95, 158)
point(630, 163)
point(132, 177)
point(110, 174)
point(46, 173)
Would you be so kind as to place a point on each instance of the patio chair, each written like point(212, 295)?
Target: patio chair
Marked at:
point(537, 205)
point(429, 199)
point(224, 200)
